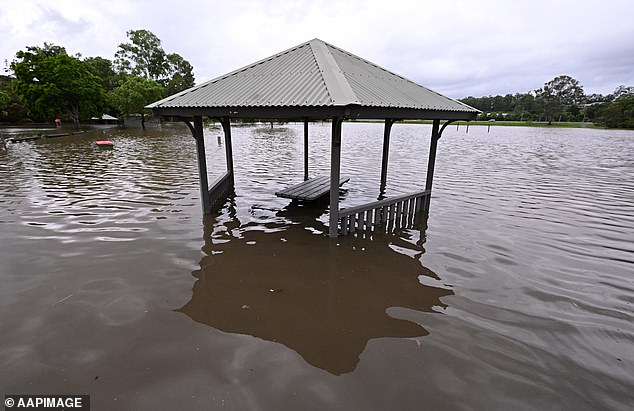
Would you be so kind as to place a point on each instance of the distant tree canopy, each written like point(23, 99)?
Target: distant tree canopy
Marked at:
point(48, 83)
point(560, 92)
point(104, 69)
point(561, 99)
point(52, 83)
point(134, 94)
point(618, 114)
point(144, 57)
point(11, 106)
point(5, 98)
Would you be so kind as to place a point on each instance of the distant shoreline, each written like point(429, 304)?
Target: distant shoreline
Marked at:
point(538, 124)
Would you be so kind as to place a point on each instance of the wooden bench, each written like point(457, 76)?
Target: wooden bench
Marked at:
point(311, 189)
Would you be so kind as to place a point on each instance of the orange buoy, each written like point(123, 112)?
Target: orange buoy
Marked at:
point(104, 144)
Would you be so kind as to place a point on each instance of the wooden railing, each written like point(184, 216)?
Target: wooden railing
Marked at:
point(218, 191)
point(384, 215)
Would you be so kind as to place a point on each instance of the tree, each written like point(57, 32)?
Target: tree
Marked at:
point(134, 94)
point(143, 56)
point(181, 73)
point(557, 94)
point(11, 107)
point(104, 69)
point(620, 112)
point(5, 98)
point(51, 83)
point(623, 91)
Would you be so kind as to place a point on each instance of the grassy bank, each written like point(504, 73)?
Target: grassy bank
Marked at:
point(571, 124)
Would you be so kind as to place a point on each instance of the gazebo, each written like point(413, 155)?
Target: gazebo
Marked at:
point(317, 81)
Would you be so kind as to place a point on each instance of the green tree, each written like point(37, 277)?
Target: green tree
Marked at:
point(180, 73)
point(144, 57)
point(134, 94)
point(620, 112)
point(104, 69)
point(559, 93)
point(623, 91)
point(5, 98)
point(11, 107)
point(52, 83)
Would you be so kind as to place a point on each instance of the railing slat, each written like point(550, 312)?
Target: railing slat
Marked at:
point(377, 204)
point(391, 213)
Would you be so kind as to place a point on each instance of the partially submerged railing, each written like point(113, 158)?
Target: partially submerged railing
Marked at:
point(218, 191)
point(386, 215)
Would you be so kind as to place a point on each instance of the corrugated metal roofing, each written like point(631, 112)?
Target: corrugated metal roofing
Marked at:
point(312, 74)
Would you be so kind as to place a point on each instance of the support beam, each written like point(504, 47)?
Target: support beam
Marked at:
point(305, 150)
point(432, 161)
point(386, 151)
point(198, 133)
point(432, 154)
point(335, 170)
point(226, 126)
point(436, 133)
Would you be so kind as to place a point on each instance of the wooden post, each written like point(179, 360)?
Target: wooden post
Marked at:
point(305, 150)
point(432, 161)
point(202, 164)
point(335, 166)
point(386, 151)
point(226, 126)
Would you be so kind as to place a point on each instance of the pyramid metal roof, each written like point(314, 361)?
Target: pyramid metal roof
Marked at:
point(313, 80)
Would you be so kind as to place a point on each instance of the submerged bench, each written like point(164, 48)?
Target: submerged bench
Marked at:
point(311, 189)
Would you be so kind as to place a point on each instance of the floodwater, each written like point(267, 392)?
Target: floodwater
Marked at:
point(516, 293)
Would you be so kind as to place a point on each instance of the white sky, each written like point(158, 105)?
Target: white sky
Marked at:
point(458, 48)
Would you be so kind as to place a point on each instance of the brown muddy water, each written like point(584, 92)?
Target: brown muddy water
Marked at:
point(516, 293)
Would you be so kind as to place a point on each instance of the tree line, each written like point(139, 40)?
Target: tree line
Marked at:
point(560, 99)
point(48, 83)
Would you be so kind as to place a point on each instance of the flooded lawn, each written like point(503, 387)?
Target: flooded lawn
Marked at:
point(516, 293)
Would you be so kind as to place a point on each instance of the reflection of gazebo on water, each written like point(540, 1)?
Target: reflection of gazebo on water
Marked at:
point(321, 299)
point(309, 82)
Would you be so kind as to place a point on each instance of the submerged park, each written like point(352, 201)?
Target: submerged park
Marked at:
point(168, 272)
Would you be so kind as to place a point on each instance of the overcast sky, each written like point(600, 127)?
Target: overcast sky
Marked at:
point(458, 48)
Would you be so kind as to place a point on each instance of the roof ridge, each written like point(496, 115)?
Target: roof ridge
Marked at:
point(341, 93)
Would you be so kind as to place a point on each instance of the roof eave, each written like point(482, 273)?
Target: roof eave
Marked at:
point(351, 111)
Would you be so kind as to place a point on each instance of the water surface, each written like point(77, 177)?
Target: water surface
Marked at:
point(516, 292)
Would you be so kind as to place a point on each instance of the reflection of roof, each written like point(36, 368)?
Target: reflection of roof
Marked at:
point(313, 74)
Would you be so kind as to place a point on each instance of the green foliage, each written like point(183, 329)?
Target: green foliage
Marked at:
point(11, 107)
point(144, 57)
point(561, 99)
point(560, 92)
point(134, 94)
point(52, 83)
point(512, 107)
point(181, 73)
point(618, 114)
point(49, 83)
point(104, 69)
point(5, 99)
